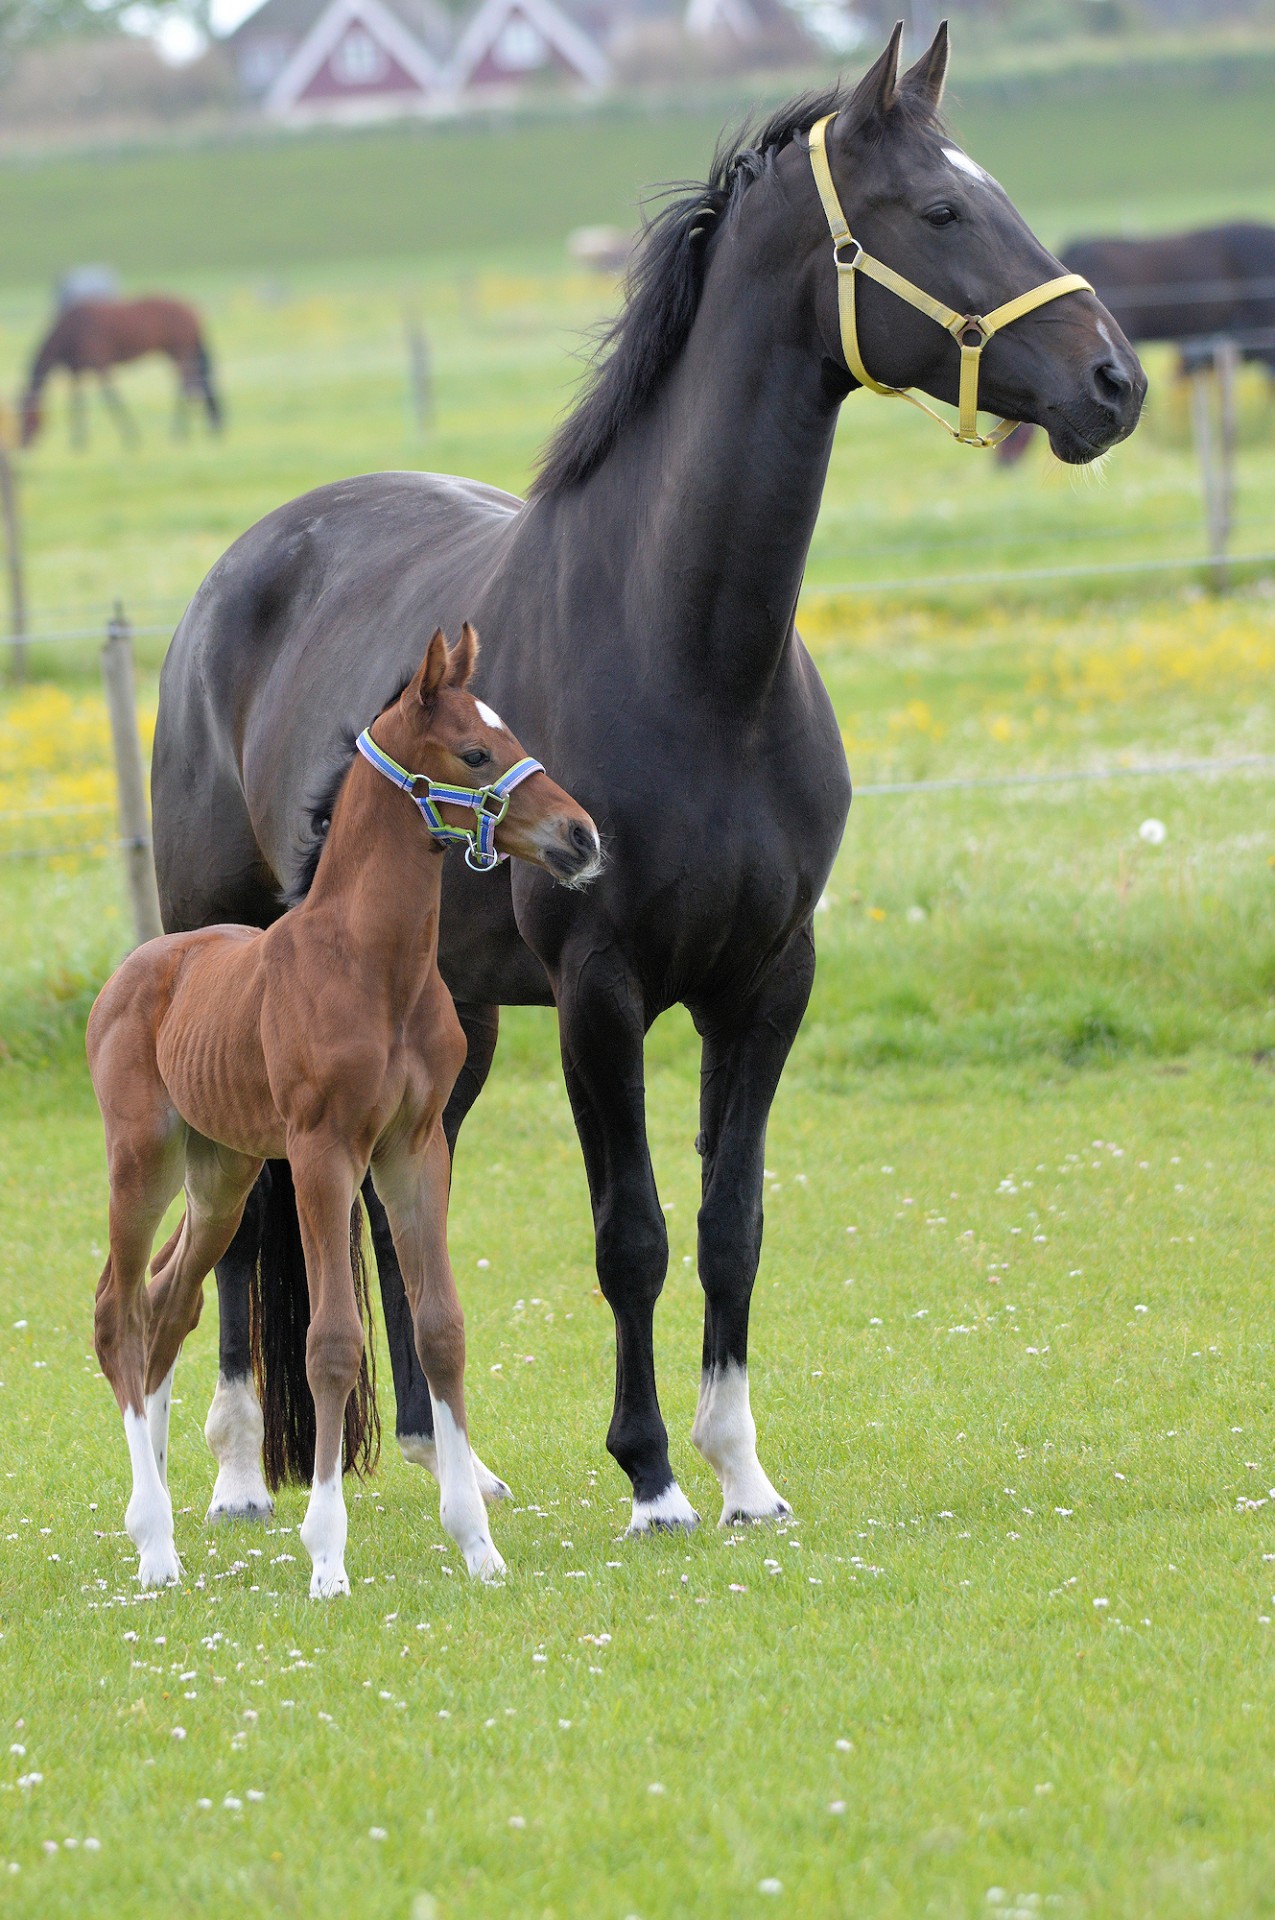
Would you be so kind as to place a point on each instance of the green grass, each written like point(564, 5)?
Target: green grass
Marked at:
point(1035, 1081)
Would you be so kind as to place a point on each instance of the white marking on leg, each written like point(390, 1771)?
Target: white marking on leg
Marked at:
point(726, 1435)
point(157, 1410)
point(234, 1431)
point(323, 1534)
point(460, 1503)
point(668, 1510)
point(419, 1450)
point(149, 1519)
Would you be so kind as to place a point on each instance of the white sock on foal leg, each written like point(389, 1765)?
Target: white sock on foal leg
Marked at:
point(158, 1406)
point(234, 1431)
point(149, 1518)
point(668, 1510)
point(726, 1435)
point(421, 1451)
point(323, 1534)
point(460, 1503)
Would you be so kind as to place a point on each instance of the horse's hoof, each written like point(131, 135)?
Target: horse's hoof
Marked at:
point(485, 1564)
point(327, 1584)
point(669, 1512)
point(419, 1450)
point(159, 1567)
point(224, 1511)
point(490, 1486)
point(747, 1517)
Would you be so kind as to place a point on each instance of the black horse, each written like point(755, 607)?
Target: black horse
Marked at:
point(1191, 289)
point(637, 617)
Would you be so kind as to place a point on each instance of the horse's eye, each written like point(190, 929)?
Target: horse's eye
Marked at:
point(476, 757)
point(942, 216)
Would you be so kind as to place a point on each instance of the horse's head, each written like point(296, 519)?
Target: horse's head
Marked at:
point(916, 204)
point(444, 733)
point(32, 418)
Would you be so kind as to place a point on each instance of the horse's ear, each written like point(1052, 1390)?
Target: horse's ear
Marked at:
point(464, 657)
point(924, 82)
point(433, 671)
point(878, 89)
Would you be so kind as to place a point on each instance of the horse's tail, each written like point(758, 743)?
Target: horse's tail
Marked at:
point(204, 375)
point(278, 1321)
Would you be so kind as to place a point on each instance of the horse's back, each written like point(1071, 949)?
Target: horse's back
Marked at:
point(314, 618)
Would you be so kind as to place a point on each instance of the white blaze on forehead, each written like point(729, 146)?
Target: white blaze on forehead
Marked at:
point(488, 714)
point(963, 163)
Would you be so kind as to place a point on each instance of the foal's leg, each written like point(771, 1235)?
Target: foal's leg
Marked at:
point(145, 1147)
point(326, 1184)
point(415, 1424)
point(602, 1023)
point(234, 1428)
point(78, 415)
point(218, 1182)
point(743, 1057)
point(119, 412)
point(414, 1190)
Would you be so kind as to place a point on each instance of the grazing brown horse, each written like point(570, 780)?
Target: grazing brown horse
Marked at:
point(95, 335)
point(329, 1038)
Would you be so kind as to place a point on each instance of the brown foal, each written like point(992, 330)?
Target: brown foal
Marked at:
point(329, 1038)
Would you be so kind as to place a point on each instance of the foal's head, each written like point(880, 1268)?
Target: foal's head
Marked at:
point(438, 729)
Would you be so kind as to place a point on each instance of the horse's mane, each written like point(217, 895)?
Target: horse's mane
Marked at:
point(321, 804)
point(634, 352)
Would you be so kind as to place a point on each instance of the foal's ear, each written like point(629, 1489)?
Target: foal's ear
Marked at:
point(433, 671)
point(924, 82)
point(878, 89)
point(464, 657)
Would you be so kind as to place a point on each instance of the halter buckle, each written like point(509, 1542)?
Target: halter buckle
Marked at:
point(491, 805)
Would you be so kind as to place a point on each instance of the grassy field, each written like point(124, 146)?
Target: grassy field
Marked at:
point(1012, 1352)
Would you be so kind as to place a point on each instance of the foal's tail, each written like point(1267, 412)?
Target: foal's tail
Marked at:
point(204, 379)
point(278, 1320)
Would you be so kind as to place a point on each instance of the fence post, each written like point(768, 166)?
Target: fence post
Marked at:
point(13, 561)
point(1215, 445)
point(130, 777)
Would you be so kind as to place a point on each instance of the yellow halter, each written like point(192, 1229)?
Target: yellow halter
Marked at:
point(971, 331)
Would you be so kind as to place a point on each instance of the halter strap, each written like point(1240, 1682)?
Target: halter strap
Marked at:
point(970, 331)
point(490, 803)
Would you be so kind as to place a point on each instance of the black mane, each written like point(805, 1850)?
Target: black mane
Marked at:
point(662, 293)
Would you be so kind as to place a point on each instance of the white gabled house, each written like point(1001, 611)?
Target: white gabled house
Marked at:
point(364, 59)
point(508, 42)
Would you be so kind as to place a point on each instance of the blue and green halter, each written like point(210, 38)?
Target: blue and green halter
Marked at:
point(490, 803)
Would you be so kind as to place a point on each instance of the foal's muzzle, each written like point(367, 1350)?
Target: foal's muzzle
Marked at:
point(572, 851)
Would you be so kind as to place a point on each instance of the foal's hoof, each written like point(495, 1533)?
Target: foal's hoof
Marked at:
point(420, 1450)
point(737, 1516)
point(159, 1567)
point(669, 1512)
point(225, 1510)
point(485, 1564)
point(325, 1584)
point(491, 1488)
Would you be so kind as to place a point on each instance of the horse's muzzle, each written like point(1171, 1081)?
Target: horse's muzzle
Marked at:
point(1104, 412)
point(572, 851)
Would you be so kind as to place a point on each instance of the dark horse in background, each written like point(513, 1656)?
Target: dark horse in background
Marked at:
point(638, 612)
point(93, 336)
point(1190, 289)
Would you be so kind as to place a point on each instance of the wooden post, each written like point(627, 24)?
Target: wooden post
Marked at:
point(130, 776)
point(13, 561)
point(419, 371)
point(1215, 444)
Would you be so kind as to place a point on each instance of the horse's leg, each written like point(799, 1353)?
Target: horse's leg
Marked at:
point(234, 1428)
point(743, 1056)
point(326, 1183)
point(602, 1025)
point(218, 1183)
point(145, 1150)
point(78, 415)
point(414, 1190)
point(119, 412)
point(415, 1424)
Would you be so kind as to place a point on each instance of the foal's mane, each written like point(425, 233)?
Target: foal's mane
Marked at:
point(634, 352)
point(321, 804)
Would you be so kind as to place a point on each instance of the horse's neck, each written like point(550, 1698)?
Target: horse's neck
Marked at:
point(49, 356)
point(380, 877)
point(709, 500)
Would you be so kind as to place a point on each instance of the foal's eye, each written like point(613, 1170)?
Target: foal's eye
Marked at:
point(476, 757)
point(941, 216)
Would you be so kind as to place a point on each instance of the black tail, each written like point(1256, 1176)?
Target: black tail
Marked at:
point(203, 373)
point(278, 1320)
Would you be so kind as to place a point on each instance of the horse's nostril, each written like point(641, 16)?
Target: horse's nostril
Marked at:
point(1111, 380)
point(580, 837)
